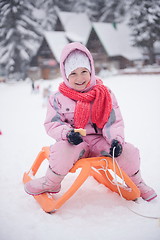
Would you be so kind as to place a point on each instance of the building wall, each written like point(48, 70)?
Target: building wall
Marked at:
point(97, 50)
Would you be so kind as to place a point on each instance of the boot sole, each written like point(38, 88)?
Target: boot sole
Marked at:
point(35, 194)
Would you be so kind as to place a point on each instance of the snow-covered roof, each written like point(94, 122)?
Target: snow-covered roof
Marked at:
point(117, 41)
point(76, 25)
point(56, 41)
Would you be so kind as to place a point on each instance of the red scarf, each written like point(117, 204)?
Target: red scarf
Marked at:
point(100, 110)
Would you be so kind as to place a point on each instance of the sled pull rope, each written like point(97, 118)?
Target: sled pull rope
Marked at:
point(105, 169)
point(114, 169)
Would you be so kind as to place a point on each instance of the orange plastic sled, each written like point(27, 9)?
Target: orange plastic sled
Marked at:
point(99, 167)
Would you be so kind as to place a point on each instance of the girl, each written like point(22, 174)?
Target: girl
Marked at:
point(84, 102)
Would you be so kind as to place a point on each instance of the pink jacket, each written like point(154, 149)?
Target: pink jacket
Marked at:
point(60, 113)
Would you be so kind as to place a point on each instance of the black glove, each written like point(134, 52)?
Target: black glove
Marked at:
point(74, 137)
point(118, 148)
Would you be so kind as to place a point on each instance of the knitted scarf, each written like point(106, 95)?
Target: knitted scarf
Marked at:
point(99, 111)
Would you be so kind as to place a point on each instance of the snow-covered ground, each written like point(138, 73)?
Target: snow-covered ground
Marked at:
point(94, 212)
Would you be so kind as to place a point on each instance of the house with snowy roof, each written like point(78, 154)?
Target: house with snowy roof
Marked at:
point(77, 26)
point(111, 47)
point(48, 55)
point(70, 27)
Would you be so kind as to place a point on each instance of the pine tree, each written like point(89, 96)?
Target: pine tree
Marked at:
point(65, 5)
point(145, 24)
point(19, 37)
point(91, 7)
point(44, 12)
point(114, 11)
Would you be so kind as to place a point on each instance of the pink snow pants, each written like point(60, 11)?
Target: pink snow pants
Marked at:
point(63, 155)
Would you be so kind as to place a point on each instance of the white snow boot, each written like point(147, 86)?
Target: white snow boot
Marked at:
point(147, 193)
point(51, 183)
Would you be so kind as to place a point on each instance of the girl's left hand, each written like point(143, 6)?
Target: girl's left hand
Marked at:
point(116, 147)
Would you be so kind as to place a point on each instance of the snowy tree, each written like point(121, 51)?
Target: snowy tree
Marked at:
point(44, 12)
point(91, 7)
point(113, 11)
point(19, 36)
point(144, 21)
point(65, 5)
point(145, 24)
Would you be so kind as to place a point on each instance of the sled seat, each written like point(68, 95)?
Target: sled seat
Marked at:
point(101, 168)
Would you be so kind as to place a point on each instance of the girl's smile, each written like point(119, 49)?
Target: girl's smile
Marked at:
point(79, 78)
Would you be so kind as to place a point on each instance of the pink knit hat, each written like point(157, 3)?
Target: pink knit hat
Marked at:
point(76, 59)
point(67, 50)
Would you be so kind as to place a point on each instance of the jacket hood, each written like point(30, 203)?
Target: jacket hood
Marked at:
point(66, 51)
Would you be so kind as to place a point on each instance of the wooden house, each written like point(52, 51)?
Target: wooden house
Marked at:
point(48, 56)
point(77, 26)
point(70, 27)
point(111, 47)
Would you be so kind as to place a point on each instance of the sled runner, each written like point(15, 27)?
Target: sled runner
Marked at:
point(103, 169)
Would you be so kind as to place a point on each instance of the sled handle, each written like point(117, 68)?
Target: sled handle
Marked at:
point(81, 131)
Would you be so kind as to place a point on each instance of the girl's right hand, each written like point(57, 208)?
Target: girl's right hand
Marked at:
point(74, 137)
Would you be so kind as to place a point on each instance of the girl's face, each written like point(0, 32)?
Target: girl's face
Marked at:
point(79, 78)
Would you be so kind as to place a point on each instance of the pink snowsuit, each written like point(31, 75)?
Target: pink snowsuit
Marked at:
point(60, 120)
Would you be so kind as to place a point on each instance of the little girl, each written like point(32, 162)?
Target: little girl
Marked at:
point(82, 101)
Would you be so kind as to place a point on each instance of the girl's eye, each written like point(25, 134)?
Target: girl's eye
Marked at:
point(84, 71)
point(72, 74)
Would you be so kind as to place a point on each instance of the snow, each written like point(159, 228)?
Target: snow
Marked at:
point(109, 35)
point(56, 41)
point(39, 14)
point(94, 212)
point(76, 25)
